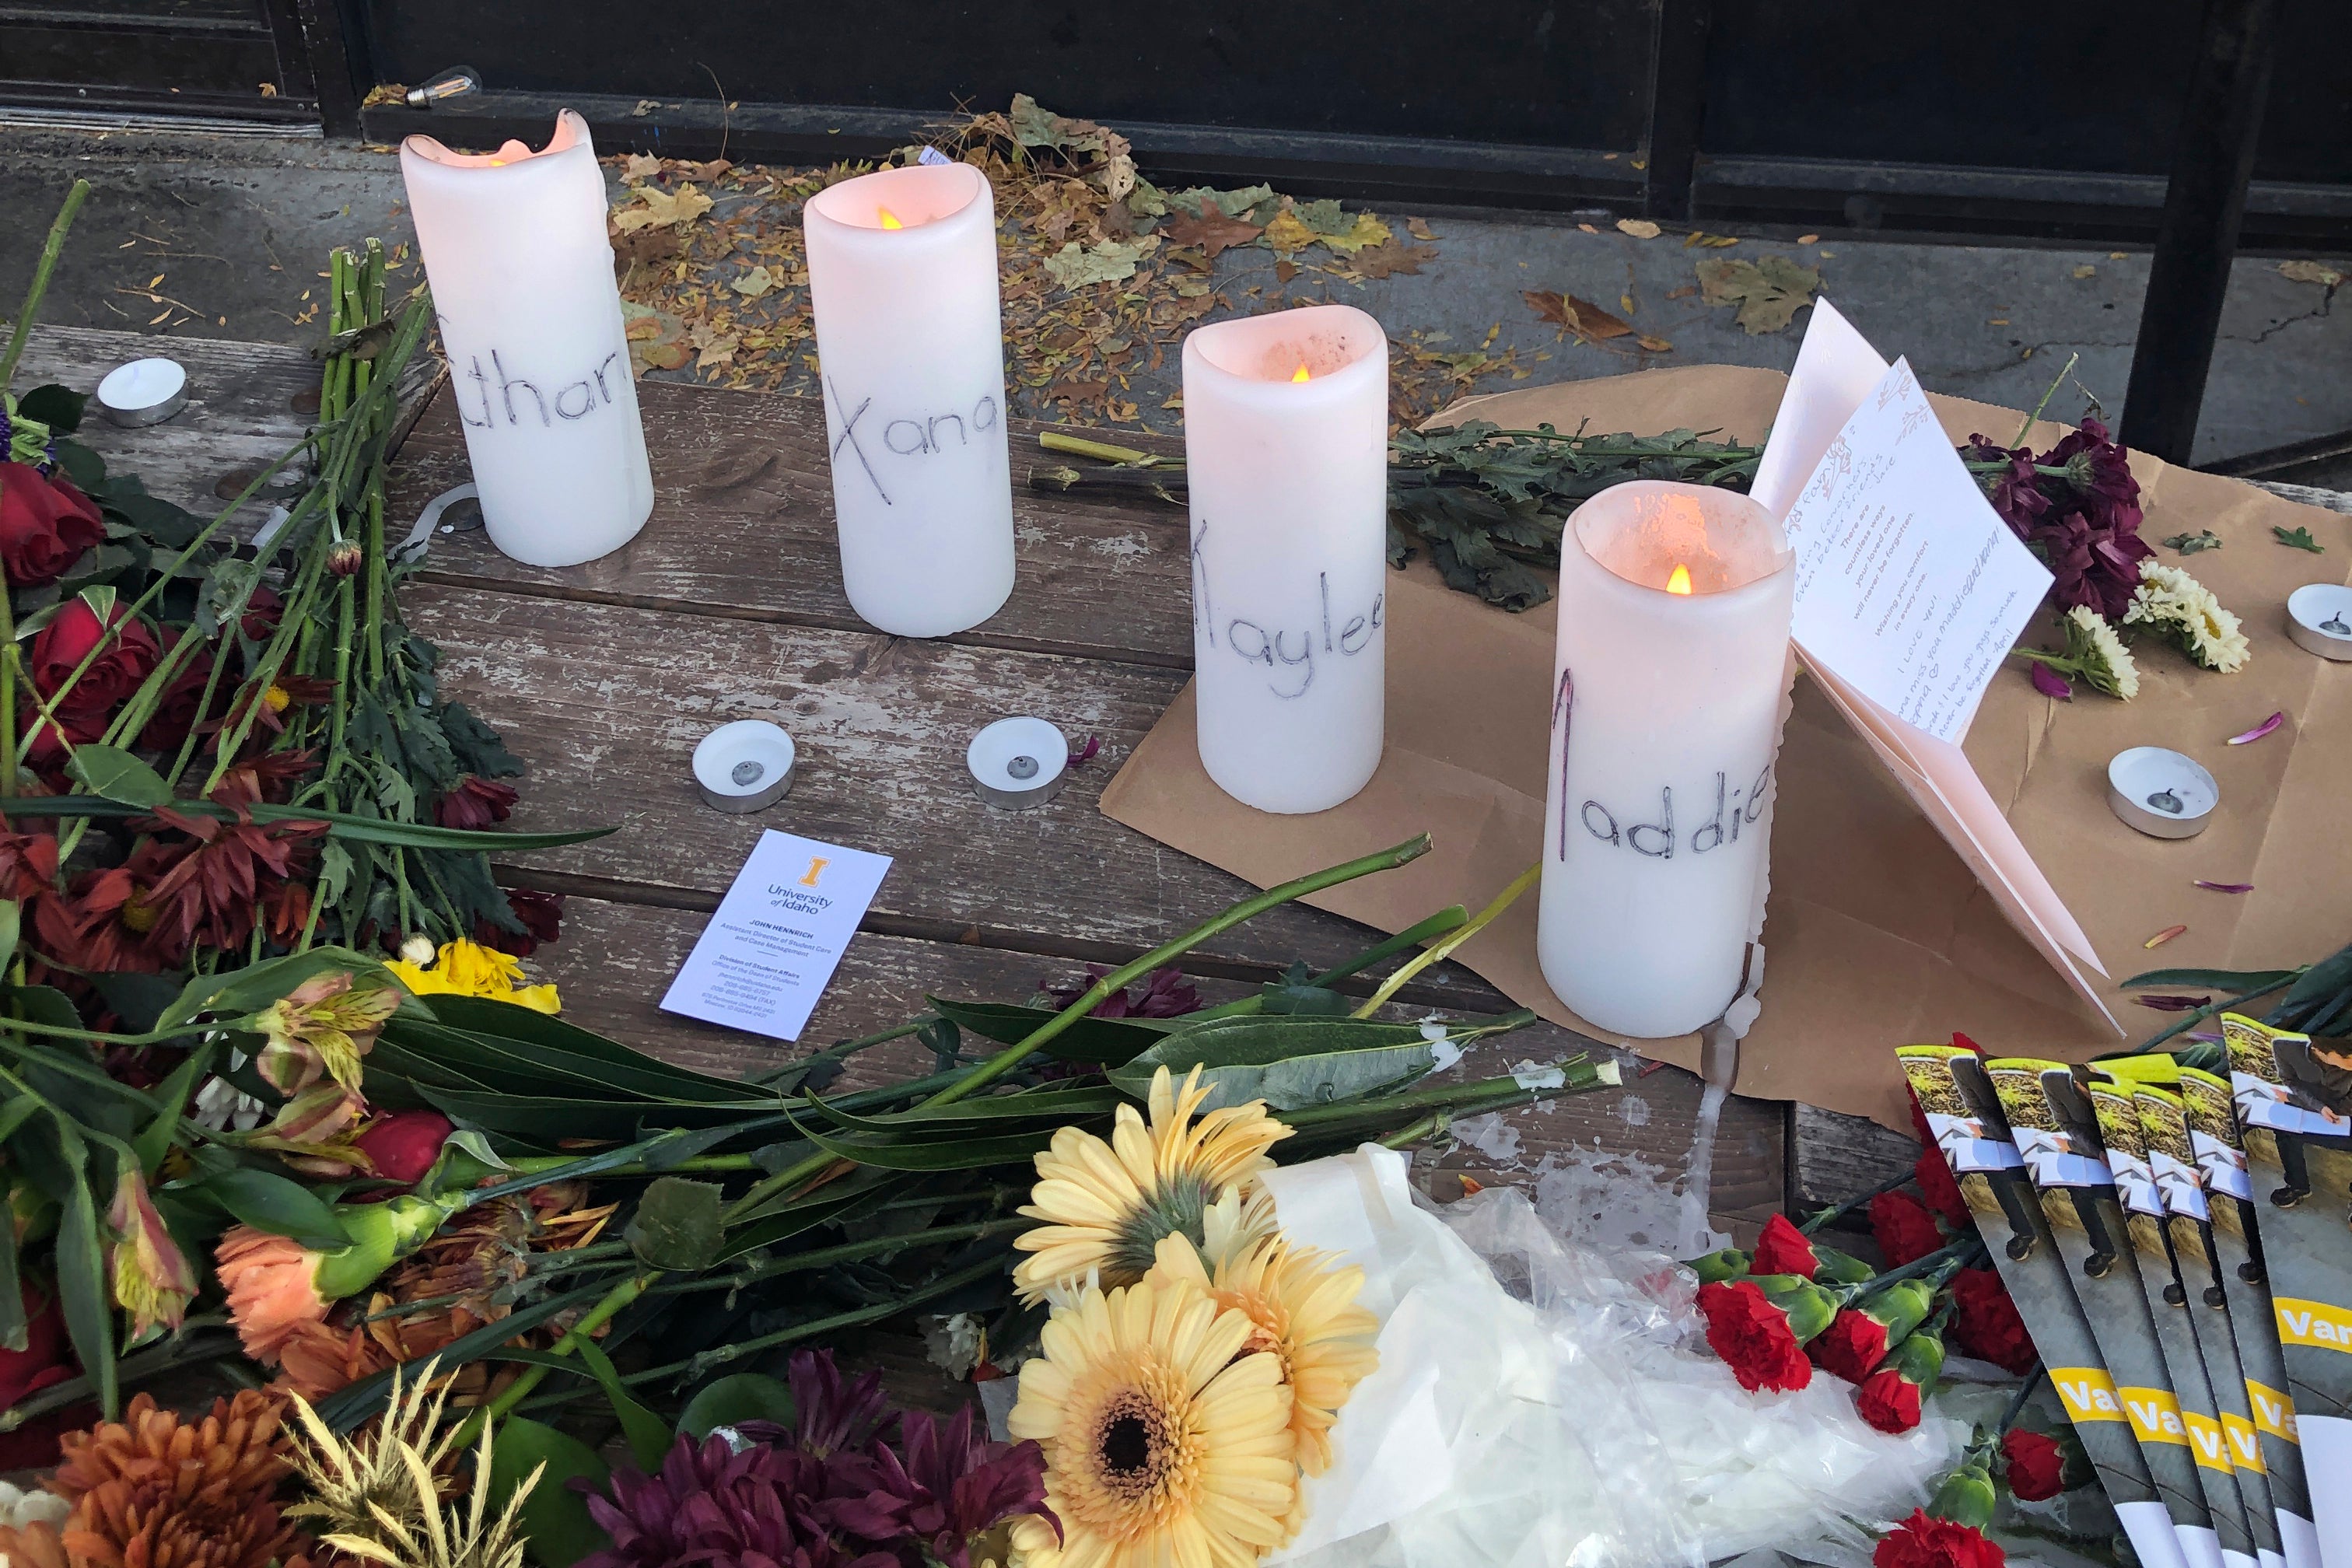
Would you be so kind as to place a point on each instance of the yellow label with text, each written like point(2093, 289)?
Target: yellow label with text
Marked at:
point(2245, 1443)
point(2207, 1441)
point(2155, 1415)
point(2274, 1412)
point(2322, 1325)
point(2087, 1393)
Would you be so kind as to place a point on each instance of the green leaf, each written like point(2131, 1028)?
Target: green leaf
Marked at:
point(731, 1401)
point(555, 1519)
point(82, 1290)
point(2321, 981)
point(1049, 1109)
point(677, 1226)
point(11, 919)
point(948, 1154)
point(2297, 539)
point(155, 1141)
point(14, 1329)
point(1101, 1041)
point(2232, 982)
point(359, 830)
point(58, 407)
point(1288, 1061)
point(471, 1033)
point(648, 1434)
point(276, 1204)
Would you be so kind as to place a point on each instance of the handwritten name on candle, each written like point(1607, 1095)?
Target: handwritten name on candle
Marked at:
point(1656, 839)
point(924, 436)
point(1252, 643)
point(571, 401)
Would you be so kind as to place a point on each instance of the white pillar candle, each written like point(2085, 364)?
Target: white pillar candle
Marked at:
point(1286, 453)
point(910, 338)
point(522, 270)
point(1674, 603)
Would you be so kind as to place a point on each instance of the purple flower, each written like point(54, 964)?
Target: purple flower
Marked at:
point(951, 1487)
point(831, 1415)
point(2050, 683)
point(2083, 522)
point(1165, 993)
point(715, 1508)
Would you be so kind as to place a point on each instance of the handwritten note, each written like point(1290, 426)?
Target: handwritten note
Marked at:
point(766, 956)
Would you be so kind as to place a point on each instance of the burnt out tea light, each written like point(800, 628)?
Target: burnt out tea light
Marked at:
point(2161, 793)
point(144, 392)
point(744, 766)
point(2319, 618)
point(1018, 763)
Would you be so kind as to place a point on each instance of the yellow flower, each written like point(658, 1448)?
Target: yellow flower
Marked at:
point(1104, 1206)
point(1303, 1311)
point(1167, 1443)
point(465, 968)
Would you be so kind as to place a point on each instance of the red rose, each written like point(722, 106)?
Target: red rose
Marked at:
point(176, 710)
point(1905, 1229)
point(403, 1146)
point(2033, 1463)
point(1888, 1400)
point(1853, 1345)
point(46, 746)
point(1985, 1323)
point(129, 656)
point(476, 802)
point(1753, 1337)
point(1924, 1540)
point(1783, 1249)
point(45, 524)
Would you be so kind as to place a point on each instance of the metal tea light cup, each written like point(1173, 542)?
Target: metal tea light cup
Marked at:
point(2161, 793)
point(144, 392)
point(744, 766)
point(1018, 763)
point(2319, 619)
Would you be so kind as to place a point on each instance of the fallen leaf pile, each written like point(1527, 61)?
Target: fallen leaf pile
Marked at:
point(1103, 272)
point(1769, 292)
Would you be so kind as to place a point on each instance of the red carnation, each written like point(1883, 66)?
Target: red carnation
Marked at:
point(1754, 1336)
point(1924, 1540)
point(1888, 1401)
point(1783, 1249)
point(1934, 1174)
point(1905, 1229)
point(403, 1146)
point(2033, 1463)
point(476, 802)
point(1985, 1323)
point(1853, 1345)
point(45, 525)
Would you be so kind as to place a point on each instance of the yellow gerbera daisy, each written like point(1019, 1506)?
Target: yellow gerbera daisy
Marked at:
point(1167, 1443)
point(469, 969)
point(1304, 1311)
point(1104, 1206)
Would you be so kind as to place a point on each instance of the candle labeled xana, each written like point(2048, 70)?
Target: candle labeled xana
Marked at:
point(1286, 454)
point(1670, 662)
point(909, 331)
point(521, 269)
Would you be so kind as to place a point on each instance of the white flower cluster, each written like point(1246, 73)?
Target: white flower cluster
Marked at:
point(2099, 655)
point(2183, 611)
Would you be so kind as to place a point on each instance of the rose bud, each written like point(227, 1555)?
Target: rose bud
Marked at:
point(2034, 1464)
point(345, 558)
point(1716, 1267)
point(403, 1146)
point(45, 525)
point(1889, 1398)
point(1862, 1334)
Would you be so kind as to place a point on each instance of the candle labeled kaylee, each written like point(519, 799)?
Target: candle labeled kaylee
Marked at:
point(522, 270)
point(1669, 665)
point(909, 331)
point(1286, 453)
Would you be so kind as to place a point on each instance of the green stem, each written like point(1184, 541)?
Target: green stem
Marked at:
point(721, 1354)
point(1406, 1136)
point(1101, 451)
point(1436, 925)
point(848, 1252)
point(1839, 1211)
point(1462, 933)
point(597, 1316)
point(2060, 380)
point(2025, 1387)
point(51, 248)
point(2189, 1020)
point(1578, 1076)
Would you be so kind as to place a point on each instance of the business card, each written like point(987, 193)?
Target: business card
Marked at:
point(768, 954)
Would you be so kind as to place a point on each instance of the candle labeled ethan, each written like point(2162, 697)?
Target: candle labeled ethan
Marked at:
point(909, 331)
point(522, 270)
point(1669, 665)
point(1285, 454)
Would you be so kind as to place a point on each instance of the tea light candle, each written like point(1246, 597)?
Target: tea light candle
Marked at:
point(1670, 658)
point(744, 766)
point(1286, 449)
point(2161, 793)
point(521, 269)
point(2319, 618)
point(1018, 763)
point(909, 331)
point(144, 392)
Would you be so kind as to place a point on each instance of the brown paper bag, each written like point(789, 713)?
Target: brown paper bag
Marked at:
point(1875, 933)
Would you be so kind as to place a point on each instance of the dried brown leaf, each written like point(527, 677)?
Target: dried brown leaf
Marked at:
point(1418, 228)
point(1388, 259)
point(1769, 292)
point(1639, 227)
point(2317, 272)
point(1212, 235)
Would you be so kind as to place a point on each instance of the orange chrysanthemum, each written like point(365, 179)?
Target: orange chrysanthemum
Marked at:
point(156, 1489)
point(273, 1289)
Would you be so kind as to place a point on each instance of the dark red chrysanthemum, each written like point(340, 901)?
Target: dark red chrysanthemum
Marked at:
point(714, 1506)
point(539, 914)
point(951, 1487)
point(476, 802)
point(1163, 993)
point(2083, 522)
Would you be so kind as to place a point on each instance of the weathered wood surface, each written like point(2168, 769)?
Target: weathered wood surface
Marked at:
point(730, 605)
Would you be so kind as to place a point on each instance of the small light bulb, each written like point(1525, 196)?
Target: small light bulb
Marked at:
point(889, 219)
point(1300, 374)
point(1680, 582)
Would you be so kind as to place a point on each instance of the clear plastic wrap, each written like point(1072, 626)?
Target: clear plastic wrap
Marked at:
point(1538, 1403)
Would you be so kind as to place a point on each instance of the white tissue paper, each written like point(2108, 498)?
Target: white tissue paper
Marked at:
point(1539, 1404)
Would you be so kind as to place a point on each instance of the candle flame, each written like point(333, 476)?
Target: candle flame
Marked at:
point(1680, 582)
point(1300, 374)
point(498, 163)
point(889, 219)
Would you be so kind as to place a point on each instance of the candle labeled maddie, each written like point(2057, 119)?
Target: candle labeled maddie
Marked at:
point(521, 269)
point(909, 331)
point(1670, 663)
point(1286, 453)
